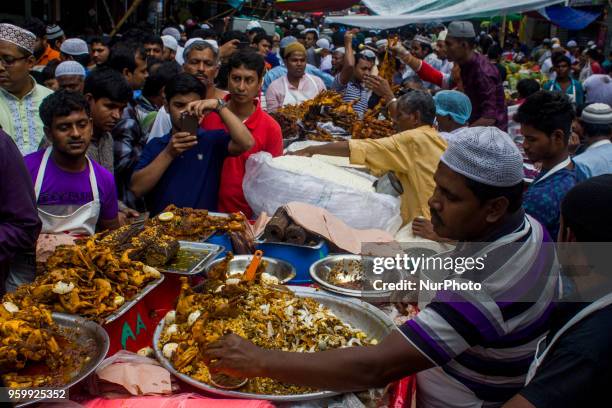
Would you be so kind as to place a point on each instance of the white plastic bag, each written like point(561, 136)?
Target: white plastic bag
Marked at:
point(266, 188)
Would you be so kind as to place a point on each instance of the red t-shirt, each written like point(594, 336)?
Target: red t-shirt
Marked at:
point(268, 138)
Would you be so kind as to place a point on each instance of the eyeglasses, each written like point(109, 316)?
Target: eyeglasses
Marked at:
point(9, 61)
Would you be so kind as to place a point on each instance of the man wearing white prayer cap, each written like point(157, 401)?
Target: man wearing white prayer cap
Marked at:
point(596, 159)
point(20, 95)
point(477, 317)
point(170, 47)
point(70, 75)
point(75, 49)
point(338, 59)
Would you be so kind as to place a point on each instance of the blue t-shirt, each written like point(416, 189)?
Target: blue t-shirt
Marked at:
point(192, 180)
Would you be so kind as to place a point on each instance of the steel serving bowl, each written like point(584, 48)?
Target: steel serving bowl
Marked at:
point(280, 269)
point(358, 314)
point(82, 331)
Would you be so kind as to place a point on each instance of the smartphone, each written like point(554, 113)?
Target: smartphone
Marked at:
point(189, 123)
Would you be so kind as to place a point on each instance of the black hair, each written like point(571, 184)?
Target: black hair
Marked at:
point(123, 55)
point(586, 209)
point(484, 193)
point(596, 129)
point(257, 31)
point(361, 56)
point(104, 40)
point(527, 87)
point(151, 63)
point(205, 34)
point(559, 58)
point(595, 54)
point(35, 26)
point(261, 37)
point(157, 80)
point(183, 84)
point(547, 111)
point(153, 39)
point(62, 103)
point(312, 32)
point(104, 82)
point(48, 71)
point(249, 59)
point(135, 35)
point(234, 35)
point(82, 59)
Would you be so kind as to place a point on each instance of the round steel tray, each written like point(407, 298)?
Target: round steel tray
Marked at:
point(84, 330)
point(280, 269)
point(358, 314)
point(319, 271)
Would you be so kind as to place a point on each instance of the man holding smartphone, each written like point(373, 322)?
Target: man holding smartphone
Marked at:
point(184, 166)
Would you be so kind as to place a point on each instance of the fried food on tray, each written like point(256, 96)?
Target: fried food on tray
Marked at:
point(387, 67)
point(347, 274)
point(372, 128)
point(31, 339)
point(149, 245)
point(90, 279)
point(269, 315)
point(193, 225)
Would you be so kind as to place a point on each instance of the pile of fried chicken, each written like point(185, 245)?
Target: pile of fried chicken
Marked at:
point(30, 337)
point(91, 279)
point(191, 224)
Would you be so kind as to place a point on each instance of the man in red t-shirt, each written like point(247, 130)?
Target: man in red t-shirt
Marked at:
point(246, 69)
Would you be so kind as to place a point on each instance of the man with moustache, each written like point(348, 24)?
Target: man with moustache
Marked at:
point(246, 71)
point(467, 348)
point(202, 61)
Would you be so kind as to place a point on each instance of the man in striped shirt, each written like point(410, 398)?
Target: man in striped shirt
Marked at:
point(470, 348)
point(354, 80)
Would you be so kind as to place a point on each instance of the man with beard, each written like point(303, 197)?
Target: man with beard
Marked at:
point(467, 347)
point(42, 50)
point(295, 87)
point(246, 70)
point(20, 95)
point(412, 154)
point(479, 78)
point(202, 61)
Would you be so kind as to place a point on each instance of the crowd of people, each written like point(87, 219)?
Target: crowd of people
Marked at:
point(97, 130)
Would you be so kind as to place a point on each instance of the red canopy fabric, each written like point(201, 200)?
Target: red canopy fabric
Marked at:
point(314, 5)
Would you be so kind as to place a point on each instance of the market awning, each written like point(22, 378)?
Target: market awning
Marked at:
point(465, 9)
point(314, 5)
point(569, 18)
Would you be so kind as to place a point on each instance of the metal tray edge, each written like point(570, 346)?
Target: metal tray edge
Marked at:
point(128, 305)
point(201, 265)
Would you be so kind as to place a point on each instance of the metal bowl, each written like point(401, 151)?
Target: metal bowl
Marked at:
point(280, 269)
point(84, 331)
point(319, 271)
point(360, 315)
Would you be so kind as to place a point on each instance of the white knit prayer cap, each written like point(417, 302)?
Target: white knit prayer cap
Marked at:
point(169, 42)
point(69, 68)
point(74, 46)
point(486, 155)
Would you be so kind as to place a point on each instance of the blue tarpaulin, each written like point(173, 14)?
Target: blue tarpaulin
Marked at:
point(569, 18)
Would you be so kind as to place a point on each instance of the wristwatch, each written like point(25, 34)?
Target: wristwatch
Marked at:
point(390, 102)
point(221, 105)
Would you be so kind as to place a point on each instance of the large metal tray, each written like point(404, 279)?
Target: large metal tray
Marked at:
point(318, 245)
point(278, 268)
point(128, 304)
point(210, 253)
point(84, 330)
point(358, 314)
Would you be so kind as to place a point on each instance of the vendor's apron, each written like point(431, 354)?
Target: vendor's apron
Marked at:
point(296, 97)
point(81, 222)
point(540, 355)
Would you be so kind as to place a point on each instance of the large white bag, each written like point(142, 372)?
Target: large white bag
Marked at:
point(266, 188)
